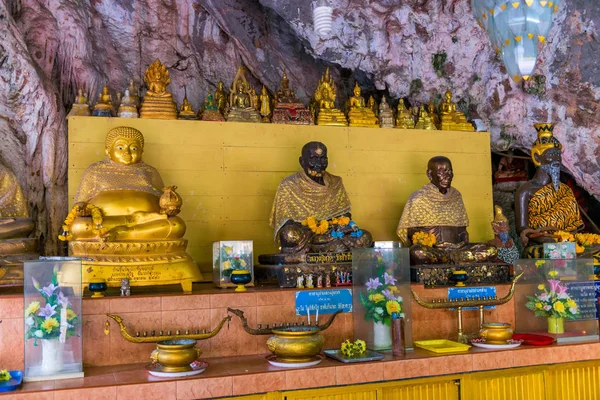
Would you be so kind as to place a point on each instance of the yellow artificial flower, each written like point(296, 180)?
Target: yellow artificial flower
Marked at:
point(49, 324)
point(393, 306)
point(393, 289)
point(587, 239)
point(571, 303)
point(226, 265)
point(228, 250)
point(242, 262)
point(539, 263)
point(424, 238)
point(5, 375)
point(564, 236)
point(559, 307)
point(70, 314)
point(552, 274)
point(538, 305)
point(541, 286)
point(579, 249)
point(376, 298)
point(32, 308)
point(309, 221)
point(340, 221)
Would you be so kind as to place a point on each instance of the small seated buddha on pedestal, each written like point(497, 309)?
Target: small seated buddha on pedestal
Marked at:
point(210, 110)
point(404, 118)
point(81, 106)
point(104, 106)
point(240, 102)
point(15, 228)
point(311, 212)
point(158, 103)
point(452, 119)
point(425, 121)
point(359, 114)
point(386, 116)
point(288, 109)
point(124, 221)
point(324, 103)
point(186, 111)
point(127, 108)
point(438, 209)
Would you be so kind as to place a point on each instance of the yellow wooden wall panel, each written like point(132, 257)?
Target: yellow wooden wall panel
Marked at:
point(579, 381)
point(520, 384)
point(354, 392)
point(227, 173)
point(446, 390)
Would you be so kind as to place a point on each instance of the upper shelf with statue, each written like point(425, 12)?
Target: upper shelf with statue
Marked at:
point(244, 103)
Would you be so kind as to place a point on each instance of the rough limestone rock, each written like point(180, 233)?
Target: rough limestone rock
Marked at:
point(414, 49)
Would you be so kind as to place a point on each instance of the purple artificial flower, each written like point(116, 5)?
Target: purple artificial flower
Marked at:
point(47, 311)
point(373, 284)
point(49, 290)
point(389, 279)
point(63, 300)
point(554, 285)
point(388, 295)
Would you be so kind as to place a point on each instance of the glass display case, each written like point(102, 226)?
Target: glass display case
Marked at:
point(557, 298)
point(229, 256)
point(381, 286)
point(53, 348)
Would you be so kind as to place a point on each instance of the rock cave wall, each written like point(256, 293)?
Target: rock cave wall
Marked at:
point(415, 49)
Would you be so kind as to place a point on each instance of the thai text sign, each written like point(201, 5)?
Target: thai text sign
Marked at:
point(326, 301)
point(329, 258)
point(471, 293)
point(584, 294)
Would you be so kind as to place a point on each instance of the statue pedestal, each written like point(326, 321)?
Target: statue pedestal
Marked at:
point(436, 275)
point(13, 253)
point(158, 108)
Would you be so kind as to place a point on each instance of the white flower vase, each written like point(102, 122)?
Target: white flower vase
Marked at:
point(52, 356)
point(382, 336)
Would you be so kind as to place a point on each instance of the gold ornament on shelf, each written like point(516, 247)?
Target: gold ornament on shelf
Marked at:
point(104, 105)
point(359, 114)
point(210, 110)
point(241, 100)
point(187, 111)
point(81, 106)
point(158, 103)
point(324, 103)
point(404, 119)
point(425, 121)
point(451, 118)
point(128, 108)
point(265, 105)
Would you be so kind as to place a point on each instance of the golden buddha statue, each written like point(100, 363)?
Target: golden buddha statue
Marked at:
point(158, 103)
point(127, 108)
point(288, 109)
point(254, 99)
point(104, 106)
point(451, 118)
point(81, 106)
point(133, 93)
point(221, 97)
point(386, 116)
point(404, 118)
point(124, 220)
point(324, 103)
point(186, 111)
point(210, 110)
point(240, 101)
point(359, 114)
point(438, 209)
point(373, 106)
point(425, 121)
point(15, 228)
point(434, 116)
point(311, 212)
point(544, 204)
point(265, 105)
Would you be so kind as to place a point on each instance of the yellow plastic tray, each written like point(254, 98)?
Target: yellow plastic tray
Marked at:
point(442, 346)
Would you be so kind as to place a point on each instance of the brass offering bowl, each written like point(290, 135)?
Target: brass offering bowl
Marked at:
point(496, 332)
point(176, 355)
point(296, 344)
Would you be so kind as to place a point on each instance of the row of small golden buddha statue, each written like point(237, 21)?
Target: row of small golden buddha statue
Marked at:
point(244, 104)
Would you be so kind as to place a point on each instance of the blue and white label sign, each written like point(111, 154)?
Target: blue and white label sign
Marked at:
point(469, 293)
point(327, 301)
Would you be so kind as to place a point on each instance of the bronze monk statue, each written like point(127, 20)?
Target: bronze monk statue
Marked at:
point(311, 212)
point(437, 208)
point(544, 204)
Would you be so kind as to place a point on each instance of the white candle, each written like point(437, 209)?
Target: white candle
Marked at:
point(308, 313)
point(317, 316)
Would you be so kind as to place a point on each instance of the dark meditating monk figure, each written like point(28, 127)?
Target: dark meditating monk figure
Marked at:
point(311, 212)
point(544, 204)
point(437, 208)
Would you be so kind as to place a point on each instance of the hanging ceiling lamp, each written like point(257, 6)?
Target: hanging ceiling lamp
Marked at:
point(516, 29)
point(322, 17)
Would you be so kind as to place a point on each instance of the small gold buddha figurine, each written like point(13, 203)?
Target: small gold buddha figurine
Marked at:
point(158, 103)
point(104, 106)
point(254, 99)
point(123, 222)
point(127, 109)
point(451, 118)
point(404, 118)
point(186, 111)
point(425, 121)
point(434, 115)
point(15, 228)
point(373, 106)
point(265, 105)
point(386, 116)
point(240, 103)
point(221, 97)
point(288, 109)
point(359, 114)
point(324, 103)
point(81, 106)
point(210, 110)
point(133, 93)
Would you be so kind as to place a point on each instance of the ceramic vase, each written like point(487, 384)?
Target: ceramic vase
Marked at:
point(382, 336)
point(556, 325)
point(52, 356)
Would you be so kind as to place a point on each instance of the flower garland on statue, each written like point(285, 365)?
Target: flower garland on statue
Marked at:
point(79, 211)
point(581, 240)
point(337, 225)
point(319, 228)
point(424, 239)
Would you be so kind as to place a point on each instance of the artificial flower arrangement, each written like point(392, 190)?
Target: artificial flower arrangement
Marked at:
point(349, 349)
point(56, 319)
point(424, 239)
point(553, 301)
point(337, 225)
point(231, 261)
point(381, 300)
point(5, 375)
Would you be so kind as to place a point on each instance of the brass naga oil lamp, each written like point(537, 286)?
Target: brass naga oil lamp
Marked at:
point(290, 343)
point(175, 352)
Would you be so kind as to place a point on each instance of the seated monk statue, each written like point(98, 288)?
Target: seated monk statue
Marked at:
point(545, 204)
point(437, 208)
point(120, 220)
point(359, 114)
point(308, 209)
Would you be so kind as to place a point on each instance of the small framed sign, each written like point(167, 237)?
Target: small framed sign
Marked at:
point(326, 301)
